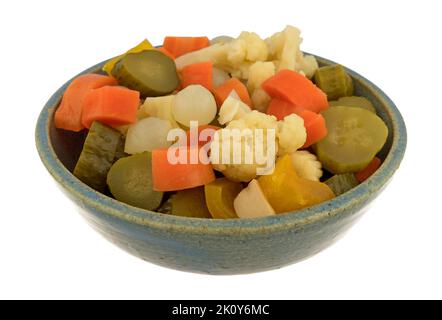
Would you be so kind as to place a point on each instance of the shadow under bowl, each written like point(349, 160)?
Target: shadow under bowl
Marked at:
point(219, 246)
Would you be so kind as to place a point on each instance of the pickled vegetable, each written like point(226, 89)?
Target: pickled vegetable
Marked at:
point(354, 137)
point(353, 101)
point(334, 81)
point(286, 191)
point(130, 181)
point(97, 156)
point(151, 72)
point(194, 103)
point(142, 46)
point(341, 183)
point(160, 107)
point(190, 203)
point(252, 203)
point(220, 195)
point(146, 135)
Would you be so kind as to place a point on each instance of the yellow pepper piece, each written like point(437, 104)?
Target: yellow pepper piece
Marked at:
point(220, 195)
point(142, 46)
point(286, 191)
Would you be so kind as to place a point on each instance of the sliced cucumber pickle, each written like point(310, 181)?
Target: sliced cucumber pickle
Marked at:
point(130, 181)
point(354, 137)
point(334, 81)
point(98, 154)
point(353, 101)
point(190, 203)
point(150, 72)
point(341, 183)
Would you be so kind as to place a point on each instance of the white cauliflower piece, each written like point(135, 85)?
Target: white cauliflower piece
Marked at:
point(306, 165)
point(258, 73)
point(260, 100)
point(284, 47)
point(232, 109)
point(291, 134)
point(160, 107)
point(255, 154)
point(256, 48)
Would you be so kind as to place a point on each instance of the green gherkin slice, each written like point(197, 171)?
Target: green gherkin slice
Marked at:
point(130, 181)
point(190, 203)
point(334, 81)
point(353, 101)
point(150, 72)
point(341, 183)
point(354, 137)
point(97, 156)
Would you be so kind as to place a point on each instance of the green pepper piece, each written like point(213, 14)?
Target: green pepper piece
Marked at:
point(97, 156)
point(190, 203)
point(220, 195)
point(130, 181)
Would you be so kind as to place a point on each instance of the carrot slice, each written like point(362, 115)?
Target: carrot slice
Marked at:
point(178, 46)
point(198, 73)
point(369, 170)
point(68, 114)
point(223, 91)
point(114, 106)
point(295, 88)
point(167, 176)
point(280, 108)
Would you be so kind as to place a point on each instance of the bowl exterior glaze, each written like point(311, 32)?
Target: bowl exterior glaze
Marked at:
point(225, 246)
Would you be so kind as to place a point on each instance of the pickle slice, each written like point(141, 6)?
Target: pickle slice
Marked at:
point(334, 81)
point(220, 195)
point(130, 181)
point(97, 156)
point(353, 101)
point(151, 72)
point(354, 137)
point(190, 203)
point(341, 183)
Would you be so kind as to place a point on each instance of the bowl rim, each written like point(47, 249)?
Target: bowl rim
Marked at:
point(104, 204)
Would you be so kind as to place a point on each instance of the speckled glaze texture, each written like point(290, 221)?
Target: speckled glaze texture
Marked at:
point(220, 246)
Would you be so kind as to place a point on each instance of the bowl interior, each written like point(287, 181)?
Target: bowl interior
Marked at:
point(60, 150)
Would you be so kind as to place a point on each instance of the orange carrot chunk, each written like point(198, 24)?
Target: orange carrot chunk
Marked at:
point(223, 91)
point(369, 170)
point(178, 46)
point(280, 108)
point(198, 73)
point(114, 106)
point(68, 114)
point(295, 88)
point(168, 176)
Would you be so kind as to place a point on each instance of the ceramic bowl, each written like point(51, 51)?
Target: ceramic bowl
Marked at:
point(219, 246)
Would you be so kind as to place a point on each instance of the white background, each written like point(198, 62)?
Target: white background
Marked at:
point(48, 251)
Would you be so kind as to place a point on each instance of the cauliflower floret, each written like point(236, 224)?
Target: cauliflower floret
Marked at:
point(260, 100)
point(306, 165)
point(291, 134)
point(258, 73)
point(284, 47)
point(232, 109)
point(256, 48)
point(239, 152)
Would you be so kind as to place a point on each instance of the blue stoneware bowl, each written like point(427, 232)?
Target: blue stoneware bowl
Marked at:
point(219, 246)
